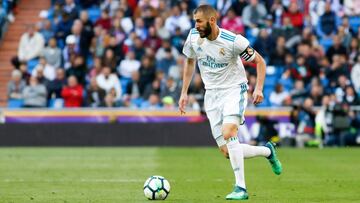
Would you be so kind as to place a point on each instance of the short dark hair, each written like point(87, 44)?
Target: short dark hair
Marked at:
point(207, 10)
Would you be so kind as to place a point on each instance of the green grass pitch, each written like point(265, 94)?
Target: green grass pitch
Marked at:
point(196, 175)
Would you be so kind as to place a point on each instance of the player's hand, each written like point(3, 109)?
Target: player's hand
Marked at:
point(182, 103)
point(258, 96)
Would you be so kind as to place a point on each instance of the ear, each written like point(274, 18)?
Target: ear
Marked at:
point(212, 20)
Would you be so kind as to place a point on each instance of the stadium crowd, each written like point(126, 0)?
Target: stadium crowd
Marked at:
point(127, 53)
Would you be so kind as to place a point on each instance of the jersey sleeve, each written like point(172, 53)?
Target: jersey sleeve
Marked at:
point(188, 50)
point(243, 49)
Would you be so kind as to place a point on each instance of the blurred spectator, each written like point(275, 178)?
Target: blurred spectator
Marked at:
point(354, 51)
point(110, 99)
point(277, 56)
point(107, 81)
point(168, 103)
point(197, 89)
point(109, 60)
point(95, 95)
point(232, 22)
point(351, 7)
point(336, 69)
point(295, 15)
point(153, 41)
point(96, 68)
point(153, 88)
point(276, 11)
point(152, 103)
point(193, 103)
point(162, 32)
point(316, 93)
point(147, 72)
point(316, 9)
point(165, 63)
point(72, 93)
point(46, 31)
point(86, 33)
point(24, 72)
point(264, 44)
point(110, 5)
point(16, 85)
point(267, 131)
point(336, 48)
point(162, 53)
point(355, 75)
point(327, 22)
point(350, 96)
point(69, 51)
point(128, 65)
point(104, 21)
point(138, 48)
point(177, 19)
point(126, 23)
point(77, 69)
point(298, 94)
point(117, 48)
point(253, 14)
point(171, 89)
point(140, 29)
point(301, 71)
point(48, 69)
point(132, 91)
point(306, 118)
point(175, 70)
point(31, 44)
point(63, 28)
point(71, 9)
point(55, 87)
point(238, 6)
point(178, 39)
point(278, 96)
point(52, 54)
point(34, 94)
point(222, 6)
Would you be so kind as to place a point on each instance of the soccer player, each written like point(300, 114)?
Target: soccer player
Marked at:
point(218, 53)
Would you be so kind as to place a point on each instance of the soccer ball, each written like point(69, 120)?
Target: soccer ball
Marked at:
point(156, 188)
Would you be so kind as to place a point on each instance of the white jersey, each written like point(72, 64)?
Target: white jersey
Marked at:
point(219, 60)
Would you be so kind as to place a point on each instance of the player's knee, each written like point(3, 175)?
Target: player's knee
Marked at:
point(229, 130)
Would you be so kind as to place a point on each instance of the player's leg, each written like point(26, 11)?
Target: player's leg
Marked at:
point(236, 156)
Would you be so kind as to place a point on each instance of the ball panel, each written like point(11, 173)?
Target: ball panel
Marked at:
point(148, 193)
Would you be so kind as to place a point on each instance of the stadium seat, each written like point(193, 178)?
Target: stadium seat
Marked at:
point(124, 82)
point(94, 14)
point(31, 64)
point(354, 22)
point(15, 103)
point(56, 103)
point(326, 43)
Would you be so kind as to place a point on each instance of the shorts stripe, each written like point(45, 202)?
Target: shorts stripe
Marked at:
point(242, 100)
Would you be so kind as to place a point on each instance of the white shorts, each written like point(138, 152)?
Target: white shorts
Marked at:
point(225, 106)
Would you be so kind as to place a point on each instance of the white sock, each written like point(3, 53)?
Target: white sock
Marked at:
point(237, 160)
point(250, 151)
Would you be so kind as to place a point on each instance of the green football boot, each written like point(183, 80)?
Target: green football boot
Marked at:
point(274, 161)
point(239, 193)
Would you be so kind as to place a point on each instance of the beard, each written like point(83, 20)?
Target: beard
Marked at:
point(206, 32)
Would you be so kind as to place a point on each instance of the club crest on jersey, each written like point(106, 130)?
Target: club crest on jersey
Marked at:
point(222, 51)
point(250, 51)
point(200, 41)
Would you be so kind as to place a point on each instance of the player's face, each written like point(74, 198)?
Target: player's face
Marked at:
point(202, 25)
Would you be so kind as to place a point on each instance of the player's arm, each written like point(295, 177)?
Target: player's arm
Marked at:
point(246, 52)
point(189, 69)
point(258, 96)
